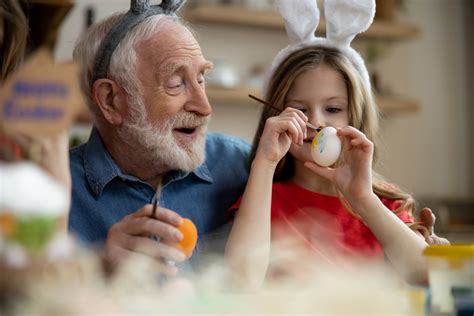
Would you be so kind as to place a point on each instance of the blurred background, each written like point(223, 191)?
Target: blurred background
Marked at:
point(420, 55)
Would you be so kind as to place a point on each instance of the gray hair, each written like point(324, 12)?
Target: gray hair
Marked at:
point(124, 59)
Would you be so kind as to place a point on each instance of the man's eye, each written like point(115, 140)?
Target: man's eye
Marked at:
point(201, 79)
point(175, 82)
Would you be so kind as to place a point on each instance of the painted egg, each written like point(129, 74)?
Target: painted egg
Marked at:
point(326, 147)
point(190, 237)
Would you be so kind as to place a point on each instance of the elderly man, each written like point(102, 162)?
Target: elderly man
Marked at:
point(143, 76)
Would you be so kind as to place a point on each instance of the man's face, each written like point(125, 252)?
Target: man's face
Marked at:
point(170, 119)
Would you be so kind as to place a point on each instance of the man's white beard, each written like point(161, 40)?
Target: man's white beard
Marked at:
point(155, 144)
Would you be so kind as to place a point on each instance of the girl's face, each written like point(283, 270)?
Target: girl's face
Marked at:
point(321, 94)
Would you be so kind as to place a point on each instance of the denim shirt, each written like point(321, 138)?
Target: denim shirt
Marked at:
point(102, 194)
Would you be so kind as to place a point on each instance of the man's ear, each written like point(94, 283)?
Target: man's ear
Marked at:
point(111, 100)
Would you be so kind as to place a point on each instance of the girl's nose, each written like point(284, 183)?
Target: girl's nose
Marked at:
point(316, 120)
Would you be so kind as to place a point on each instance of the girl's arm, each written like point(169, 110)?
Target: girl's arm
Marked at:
point(248, 247)
point(402, 246)
point(353, 178)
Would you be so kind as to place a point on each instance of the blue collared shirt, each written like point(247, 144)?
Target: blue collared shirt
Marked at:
point(102, 194)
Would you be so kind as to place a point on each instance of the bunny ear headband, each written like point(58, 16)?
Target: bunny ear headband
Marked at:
point(139, 10)
point(344, 20)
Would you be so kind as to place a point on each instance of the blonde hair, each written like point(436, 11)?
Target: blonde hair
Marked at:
point(363, 113)
point(15, 33)
point(122, 67)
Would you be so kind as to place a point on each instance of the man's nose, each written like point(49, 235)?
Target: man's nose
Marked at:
point(198, 101)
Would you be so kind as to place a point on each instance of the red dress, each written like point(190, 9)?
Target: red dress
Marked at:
point(322, 224)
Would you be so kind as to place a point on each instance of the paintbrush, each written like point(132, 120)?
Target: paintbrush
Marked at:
point(308, 124)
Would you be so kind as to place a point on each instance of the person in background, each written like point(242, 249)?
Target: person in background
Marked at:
point(345, 211)
point(50, 153)
point(13, 36)
point(143, 76)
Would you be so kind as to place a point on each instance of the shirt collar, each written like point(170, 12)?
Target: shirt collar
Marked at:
point(100, 168)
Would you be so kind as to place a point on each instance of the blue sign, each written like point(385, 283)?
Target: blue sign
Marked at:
point(39, 111)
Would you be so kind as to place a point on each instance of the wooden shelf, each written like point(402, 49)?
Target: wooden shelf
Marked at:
point(240, 16)
point(391, 104)
point(237, 15)
point(60, 3)
point(239, 96)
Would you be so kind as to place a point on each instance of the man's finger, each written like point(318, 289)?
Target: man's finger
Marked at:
point(153, 248)
point(162, 214)
point(147, 226)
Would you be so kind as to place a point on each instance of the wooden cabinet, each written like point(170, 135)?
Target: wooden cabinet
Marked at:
point(238, 16)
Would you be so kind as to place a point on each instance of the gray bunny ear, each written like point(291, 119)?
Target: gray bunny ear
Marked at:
point(171, 6)
point(139, 6)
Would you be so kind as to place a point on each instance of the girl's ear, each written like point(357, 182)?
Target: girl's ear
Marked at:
point(111, 100)
point(347, 18)
point(301, 19)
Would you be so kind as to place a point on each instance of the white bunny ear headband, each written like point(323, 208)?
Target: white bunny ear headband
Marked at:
point(344, 20)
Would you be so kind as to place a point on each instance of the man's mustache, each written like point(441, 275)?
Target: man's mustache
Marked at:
point(189, 120)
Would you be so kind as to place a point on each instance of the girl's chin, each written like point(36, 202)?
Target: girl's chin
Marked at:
point(302, 158)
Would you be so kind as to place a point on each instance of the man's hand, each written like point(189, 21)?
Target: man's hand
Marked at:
point(132, 236)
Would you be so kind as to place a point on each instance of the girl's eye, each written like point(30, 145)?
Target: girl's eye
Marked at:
point(333, 109)
point(175, 82)
point(298, 107)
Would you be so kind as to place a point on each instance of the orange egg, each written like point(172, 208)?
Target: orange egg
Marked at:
point(190, 237)
point(7, 224)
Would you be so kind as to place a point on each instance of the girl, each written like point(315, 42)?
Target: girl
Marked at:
point(346, 210)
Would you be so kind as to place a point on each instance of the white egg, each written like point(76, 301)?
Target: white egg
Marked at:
point(26, 189)
point(326, 147)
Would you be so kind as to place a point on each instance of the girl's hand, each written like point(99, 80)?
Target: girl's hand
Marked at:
point(427, 220)
point(353, 177)
point(279, 132)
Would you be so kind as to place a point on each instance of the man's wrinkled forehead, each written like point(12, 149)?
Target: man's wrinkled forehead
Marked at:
point(201, 65)
point(139, 11)
point(172, 48)
point(172, 35)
